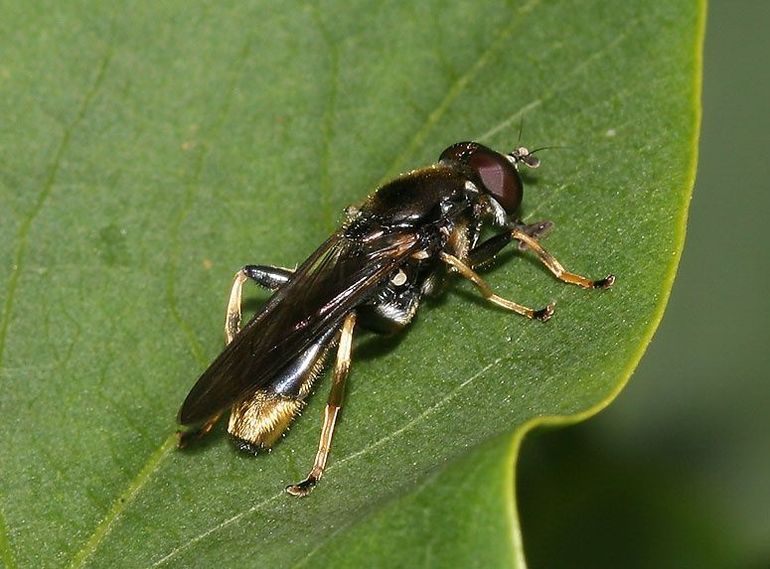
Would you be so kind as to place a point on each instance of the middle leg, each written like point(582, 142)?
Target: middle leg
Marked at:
point(558, 270)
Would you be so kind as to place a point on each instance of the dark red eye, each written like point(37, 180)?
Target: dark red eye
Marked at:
point(494, 171)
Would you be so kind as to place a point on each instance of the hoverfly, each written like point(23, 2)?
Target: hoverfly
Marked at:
point(392, 250)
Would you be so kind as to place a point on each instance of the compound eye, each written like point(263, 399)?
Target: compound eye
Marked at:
point(498, 176)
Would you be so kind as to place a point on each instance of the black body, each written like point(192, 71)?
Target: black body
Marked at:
point(391, 251)
point(380, 263)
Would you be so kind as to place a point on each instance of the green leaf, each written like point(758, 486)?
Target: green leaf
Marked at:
point(147, 152)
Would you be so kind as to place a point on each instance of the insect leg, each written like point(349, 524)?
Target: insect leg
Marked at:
point(258, 421)
point(486, 291)
point(265, 275)
point(556, 267)
point(269, 277)
point(333, 404)
point(483, 253)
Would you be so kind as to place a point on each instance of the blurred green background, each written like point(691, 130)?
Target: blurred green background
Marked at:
point(676, 472)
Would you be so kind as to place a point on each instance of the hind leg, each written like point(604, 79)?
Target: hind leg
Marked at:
point(266, 276)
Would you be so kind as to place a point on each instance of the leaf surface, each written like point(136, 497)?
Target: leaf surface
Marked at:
point(148, 152)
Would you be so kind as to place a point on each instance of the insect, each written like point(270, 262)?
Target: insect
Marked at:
point(393, 249)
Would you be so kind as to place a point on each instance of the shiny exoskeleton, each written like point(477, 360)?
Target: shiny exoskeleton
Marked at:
point(392, 250)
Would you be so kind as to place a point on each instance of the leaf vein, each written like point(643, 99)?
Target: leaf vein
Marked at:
point(156, 458)
point(327, 124)
point(136, 485)
point(457, 87)
point(189, 199)
point(560, 85)
point(383, 440)
point(6, 553)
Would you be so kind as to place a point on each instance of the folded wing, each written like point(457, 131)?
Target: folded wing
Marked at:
point(336, 278)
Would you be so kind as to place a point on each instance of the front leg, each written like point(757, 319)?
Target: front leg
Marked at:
point(485, 252)
point(558, 270)
point(527, 236)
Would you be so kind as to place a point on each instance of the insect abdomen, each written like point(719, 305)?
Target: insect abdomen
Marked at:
point(259, 420)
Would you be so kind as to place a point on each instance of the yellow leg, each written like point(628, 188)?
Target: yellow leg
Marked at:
point(266, 276)
point(233, 317)
point(556, 267)
point(333, 405)
point(232, 327)
point(486, 291)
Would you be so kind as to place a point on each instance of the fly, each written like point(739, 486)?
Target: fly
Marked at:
point(392, 250)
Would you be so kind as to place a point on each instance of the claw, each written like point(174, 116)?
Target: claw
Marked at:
point(606, 282)
point(544, 314)
point(303, 488)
